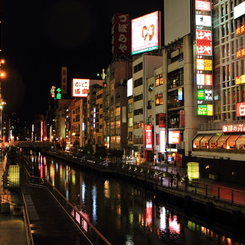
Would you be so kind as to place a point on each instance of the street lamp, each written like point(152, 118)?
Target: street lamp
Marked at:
point(2, 102)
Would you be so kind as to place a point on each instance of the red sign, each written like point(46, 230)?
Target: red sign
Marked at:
point(148, 136)
point(240, 79)
point(203, 5)
point(121, 34)
point(203, 42)
point(52, 91)
point(240, 30)
point(240, 53)
point(240, 109)
point(233, 128)
point(80, 87)
point(182, 118)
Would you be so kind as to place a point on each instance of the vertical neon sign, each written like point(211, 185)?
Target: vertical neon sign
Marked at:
point(204, 56)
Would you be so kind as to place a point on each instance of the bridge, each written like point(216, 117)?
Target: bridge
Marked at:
point(32, 144)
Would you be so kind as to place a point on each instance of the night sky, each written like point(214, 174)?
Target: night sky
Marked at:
point(38, 37)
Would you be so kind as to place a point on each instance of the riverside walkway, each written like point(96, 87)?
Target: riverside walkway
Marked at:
point(48, 222)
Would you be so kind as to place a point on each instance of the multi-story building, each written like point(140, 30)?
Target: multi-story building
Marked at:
point(222, 139)
point(115, 104)
point(91, 115)
point(203, 64)
point(143, 68)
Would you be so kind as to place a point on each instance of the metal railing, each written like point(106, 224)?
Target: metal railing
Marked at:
point(196, 187)
point(160, 177)
point(90, 233)
point(29, 237)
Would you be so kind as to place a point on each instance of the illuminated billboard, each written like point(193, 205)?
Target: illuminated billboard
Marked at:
point(80, 87)
point(240, 79)
point(130, 87)
point(240, 109)
point(174, 137)
point(239, 10)
point(204, 79)
point(203, 20)
point(148, 137)
point(240, 53)
point(205, 94)
point(240, 30)
point(205, 110)
point(233, 128)
point(203, 42)
point(146, 33)
point(204, 64)
point(203, 5)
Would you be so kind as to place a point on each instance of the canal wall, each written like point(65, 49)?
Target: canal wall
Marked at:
point(210, 207)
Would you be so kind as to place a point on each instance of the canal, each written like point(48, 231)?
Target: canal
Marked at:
point(128, 215)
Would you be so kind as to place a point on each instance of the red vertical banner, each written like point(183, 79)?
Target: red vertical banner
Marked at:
point(148, 136)
point(121, 34)
point(182, 118)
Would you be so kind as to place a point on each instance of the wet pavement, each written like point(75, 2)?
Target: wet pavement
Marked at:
point(49, 223)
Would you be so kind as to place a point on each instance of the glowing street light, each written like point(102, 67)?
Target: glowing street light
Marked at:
point(2, 102)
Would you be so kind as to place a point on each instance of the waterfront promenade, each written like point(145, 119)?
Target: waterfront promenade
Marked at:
point(49, 223)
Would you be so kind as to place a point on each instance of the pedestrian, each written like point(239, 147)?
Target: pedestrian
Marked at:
point(186, 179)
point(171, 178)
point(177, 176)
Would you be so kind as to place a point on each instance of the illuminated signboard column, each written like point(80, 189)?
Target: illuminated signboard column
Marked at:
point(121, 34)
point(148, 137)
point(204, 58)
point(239, 12)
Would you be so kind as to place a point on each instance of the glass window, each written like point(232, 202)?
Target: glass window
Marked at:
point(159, 99)
point(240, 142)
point(231, 142)
point(204, 141)
point(221, 143)
point(213, 141)
point(196, 141)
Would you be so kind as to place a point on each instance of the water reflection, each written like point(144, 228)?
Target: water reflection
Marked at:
point(124, 214)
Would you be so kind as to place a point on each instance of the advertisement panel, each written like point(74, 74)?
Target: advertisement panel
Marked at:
point(233, 128)
point(240, 109)
point(80, 87)
point(182, 118)
point(240, 79)
point(162, 140)
point(204, 58)
point(239, 10)
point(203, 20)
point(130, 87)
point(204, 79)
point(240, 53)
point(203, 5)
point(174, 137)
point(205, 94)
point(203, 42)
point(121, 34)
point(146, 33)
point(205, 110)
point(64, 80)
point(148, 136)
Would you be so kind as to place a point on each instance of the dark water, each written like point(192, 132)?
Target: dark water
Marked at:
point(127, 215)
